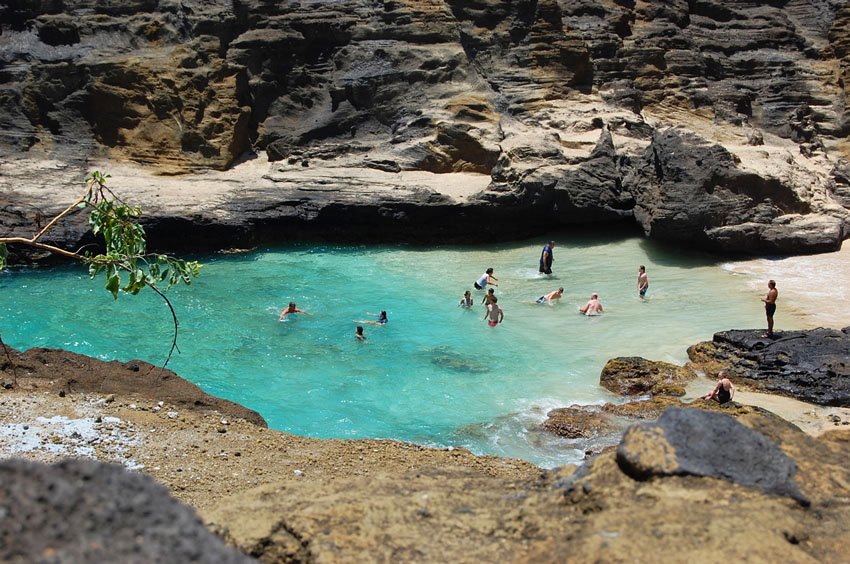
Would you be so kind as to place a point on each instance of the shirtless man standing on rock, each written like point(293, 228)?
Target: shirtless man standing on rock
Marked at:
point(770, 306)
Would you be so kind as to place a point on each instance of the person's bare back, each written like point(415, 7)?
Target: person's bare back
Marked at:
point(593, 306)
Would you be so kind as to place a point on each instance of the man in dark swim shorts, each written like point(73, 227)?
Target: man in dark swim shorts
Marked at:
point(546, 258)
point(770, 306)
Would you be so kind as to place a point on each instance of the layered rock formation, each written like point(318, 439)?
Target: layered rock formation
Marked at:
point(716, 123)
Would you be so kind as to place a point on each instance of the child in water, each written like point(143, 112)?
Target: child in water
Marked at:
point(359, 333)
point(466, 300)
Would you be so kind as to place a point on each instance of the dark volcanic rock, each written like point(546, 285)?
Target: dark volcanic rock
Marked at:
point(67, 371)
point(701, 443)
point(687, 189)
point(85, 511)
point(811, 365)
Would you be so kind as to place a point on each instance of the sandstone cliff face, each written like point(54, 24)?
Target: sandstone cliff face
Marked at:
point(721, 124)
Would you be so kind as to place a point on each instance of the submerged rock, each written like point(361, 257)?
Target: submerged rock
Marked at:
point(701, 443)
point(447, 359)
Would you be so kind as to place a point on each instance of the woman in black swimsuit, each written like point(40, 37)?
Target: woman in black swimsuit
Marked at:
point(724, 391)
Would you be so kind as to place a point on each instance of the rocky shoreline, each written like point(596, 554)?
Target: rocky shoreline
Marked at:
point(663, 490)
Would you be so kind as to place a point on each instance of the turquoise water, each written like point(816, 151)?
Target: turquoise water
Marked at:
point(435, 374)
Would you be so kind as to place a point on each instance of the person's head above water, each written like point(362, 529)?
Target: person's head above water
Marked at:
point(489, 271)
point(359, 329)
point(291, 304)
point(594, 296)
point(491, 291)
point(383, 314)
point(560, 290)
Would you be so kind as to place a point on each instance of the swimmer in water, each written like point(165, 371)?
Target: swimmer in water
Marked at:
point(642, 282)
point(489, 297)
point(290, 309)
point(593, 306)
point(359, 333)
point(554, 295)
point(382, 319)
point(466, 300)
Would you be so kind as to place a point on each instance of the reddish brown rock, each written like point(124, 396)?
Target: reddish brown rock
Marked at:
point(633, 376)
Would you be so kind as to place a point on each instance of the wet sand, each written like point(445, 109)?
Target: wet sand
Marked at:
point(812, 289)
point(812, 419)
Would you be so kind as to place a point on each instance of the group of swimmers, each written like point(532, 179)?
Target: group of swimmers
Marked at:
point(495, 314)
point(358, 331)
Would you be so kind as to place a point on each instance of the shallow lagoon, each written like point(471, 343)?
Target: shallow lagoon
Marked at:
point(435, 374)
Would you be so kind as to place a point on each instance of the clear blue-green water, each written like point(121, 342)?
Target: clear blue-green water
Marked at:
point(435, 374)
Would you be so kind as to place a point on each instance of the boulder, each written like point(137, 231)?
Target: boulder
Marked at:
point(578, 422)
point(687, 189)
point(811, 365)
point(692, 442)
point(86, 511)
point(634, 376)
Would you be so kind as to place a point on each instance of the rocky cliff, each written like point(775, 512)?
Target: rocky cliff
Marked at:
point(720, 124)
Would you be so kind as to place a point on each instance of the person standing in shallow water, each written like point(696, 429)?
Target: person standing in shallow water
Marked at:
point(494, 312)
point(489, 297)
point(547, 258)
point(770, 306)
point(466, 300)
point(642, 282)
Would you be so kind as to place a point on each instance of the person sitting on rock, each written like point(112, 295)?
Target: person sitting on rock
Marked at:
point(724, 391)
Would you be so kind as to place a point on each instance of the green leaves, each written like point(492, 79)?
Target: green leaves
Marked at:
point(126, 247)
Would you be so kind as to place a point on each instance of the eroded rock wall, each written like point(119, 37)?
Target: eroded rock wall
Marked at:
point(576, 111)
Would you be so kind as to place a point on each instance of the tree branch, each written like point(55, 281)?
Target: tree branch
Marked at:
point(53, 221)
point(44, 247)
point(173, 317)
